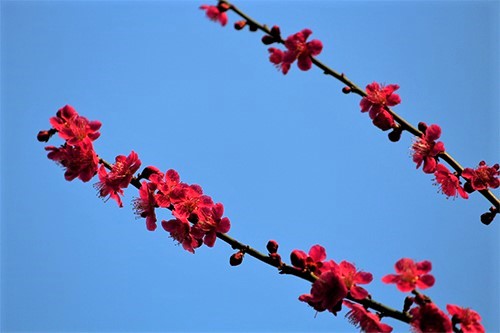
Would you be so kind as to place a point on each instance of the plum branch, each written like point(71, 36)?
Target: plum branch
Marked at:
point(273, 35)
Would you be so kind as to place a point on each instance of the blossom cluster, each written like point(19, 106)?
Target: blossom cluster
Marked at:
point(197, 219)
point(426, 316)
point(334, 280)
point(426, 149)
point(296, 49)
point(376, 101)
point(77, 154)
point(337, 284)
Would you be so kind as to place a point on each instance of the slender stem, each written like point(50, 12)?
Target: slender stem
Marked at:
point(405, 125)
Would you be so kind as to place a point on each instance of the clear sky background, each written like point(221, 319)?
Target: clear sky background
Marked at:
point(291, 158)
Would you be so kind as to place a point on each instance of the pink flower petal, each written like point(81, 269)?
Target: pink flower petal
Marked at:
point(425, 281)
point(315, 47)
point(363, 277)
point(358, 292)
point(433, 132)
point(317, 253)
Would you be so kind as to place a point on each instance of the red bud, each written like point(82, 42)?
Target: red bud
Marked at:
point(488, 217)
point(236, 259)
point(272, 246)
point(422, 127)
point(276, 258)
point(395, 135)
point(275, 32)
point(267, 40)
point(346, 90)
point(298, 258)
point(148, 171)
point(223, 7)
point(240, 24)
point(44, 136)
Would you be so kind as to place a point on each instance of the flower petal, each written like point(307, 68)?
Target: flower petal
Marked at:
point(317, 253)
point(433, 132)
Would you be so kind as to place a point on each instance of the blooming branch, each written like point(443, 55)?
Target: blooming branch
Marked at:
point(376, 100)
point(198, 220)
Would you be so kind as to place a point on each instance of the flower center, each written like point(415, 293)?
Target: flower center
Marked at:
point(421, 147)
point(482, 173)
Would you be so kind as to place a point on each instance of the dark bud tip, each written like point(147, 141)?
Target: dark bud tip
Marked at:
point(488, 217)
point(346, 90)
point(148, 171)
point(297, 259)
point(193, 218)
point(240, 24)
point(236, 259)
point(422, 127)
point(267, 40)
point(468, 187)
point(276, 258)
point(408, 303)
point(43, 136)
point(272, 246)
point(275, 32)
point(252, 27)
point(455, 321)
point(223, 7)
point(395, 135)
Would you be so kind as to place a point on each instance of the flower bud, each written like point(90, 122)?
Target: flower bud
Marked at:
point(395, 135)
point(252, 27)
point(488, 217)
point(43, 136)
point(468, 187)
point(236, 259)
point(148, 171)
point(298, 258)
point(408, 303)
point(422, 127)
point(272, 246)
point(193, 218)
point(223, 7)
point(275, 32)
point(276, 258)
point(346, 90)
point(240, 24)
point(267, 40)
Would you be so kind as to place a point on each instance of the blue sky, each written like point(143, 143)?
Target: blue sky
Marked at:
point(291, 158)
